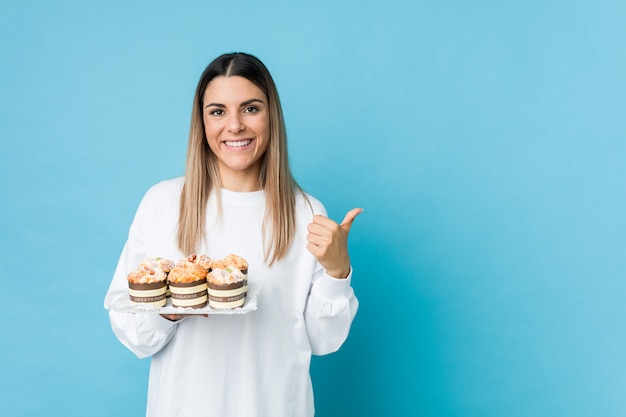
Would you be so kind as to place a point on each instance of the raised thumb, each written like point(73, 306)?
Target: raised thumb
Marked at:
point(346, 223)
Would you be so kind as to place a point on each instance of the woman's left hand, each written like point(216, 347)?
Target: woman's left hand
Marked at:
point(328, 242)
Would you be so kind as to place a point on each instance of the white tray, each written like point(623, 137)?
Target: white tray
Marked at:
point(250, 304)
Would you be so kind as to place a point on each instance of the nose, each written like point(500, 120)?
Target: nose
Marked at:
point(235, 124)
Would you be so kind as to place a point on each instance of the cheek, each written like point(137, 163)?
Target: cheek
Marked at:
point(211, 140)
point(210, 132)
point(263, 129)
point(264, 132)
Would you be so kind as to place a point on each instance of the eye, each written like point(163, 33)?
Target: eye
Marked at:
point(216, 112)
point(251, 109)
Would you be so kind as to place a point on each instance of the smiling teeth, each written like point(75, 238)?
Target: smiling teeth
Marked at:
point(239, 143)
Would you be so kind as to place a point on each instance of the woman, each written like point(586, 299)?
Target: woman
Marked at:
point(238, 196)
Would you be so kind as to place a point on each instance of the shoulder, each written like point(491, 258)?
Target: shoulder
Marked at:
point(163, 194)
point(166, 189)
point(308, 204)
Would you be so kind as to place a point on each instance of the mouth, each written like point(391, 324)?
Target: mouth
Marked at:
point(237, 143)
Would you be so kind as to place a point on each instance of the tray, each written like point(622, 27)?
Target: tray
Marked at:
point(123, 305)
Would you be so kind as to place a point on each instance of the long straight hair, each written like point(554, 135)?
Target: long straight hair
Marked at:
point(202, 175)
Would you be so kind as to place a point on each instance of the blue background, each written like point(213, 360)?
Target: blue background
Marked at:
point(486, 141)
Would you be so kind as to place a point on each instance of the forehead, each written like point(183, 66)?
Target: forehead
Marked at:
point(235, 88)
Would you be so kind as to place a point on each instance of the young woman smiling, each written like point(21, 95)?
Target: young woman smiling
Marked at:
point(238, 196)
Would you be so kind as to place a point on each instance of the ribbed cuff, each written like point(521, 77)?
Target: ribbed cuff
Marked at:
point(332, 287)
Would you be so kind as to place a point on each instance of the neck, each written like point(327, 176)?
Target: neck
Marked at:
point(240, 181)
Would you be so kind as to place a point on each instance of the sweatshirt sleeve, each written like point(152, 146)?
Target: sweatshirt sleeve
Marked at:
point(143, 334)
point(330, 309)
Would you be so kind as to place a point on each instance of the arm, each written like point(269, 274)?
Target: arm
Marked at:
point(331, 305)
point(143, 334)
point(330, 309)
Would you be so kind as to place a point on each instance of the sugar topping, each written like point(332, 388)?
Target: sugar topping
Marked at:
point(202, 260)
point(150, 270)
point(227, 275)
point(187, 270)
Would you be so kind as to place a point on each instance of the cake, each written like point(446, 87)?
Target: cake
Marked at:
point(193, 282)
point(232, 261)
point(188, 284)
point(236, 261)
point(227, 287)
point(202, 260)
point(147, 284)
point(166, 265)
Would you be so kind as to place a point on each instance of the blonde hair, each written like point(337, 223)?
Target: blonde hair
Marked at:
point(202, 175)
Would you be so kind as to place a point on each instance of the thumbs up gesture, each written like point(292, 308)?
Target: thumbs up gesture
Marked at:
point(328, 242)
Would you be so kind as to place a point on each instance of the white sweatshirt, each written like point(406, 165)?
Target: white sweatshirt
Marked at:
point(242, 365)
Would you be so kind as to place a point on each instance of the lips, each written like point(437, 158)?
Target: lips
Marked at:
point(237, 143)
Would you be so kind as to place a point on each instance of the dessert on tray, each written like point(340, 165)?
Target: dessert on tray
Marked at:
point(187, 281)
point(193, 282)
point(227, 287)
point(147, 283)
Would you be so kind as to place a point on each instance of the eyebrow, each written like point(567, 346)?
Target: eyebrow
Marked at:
point(243, 104)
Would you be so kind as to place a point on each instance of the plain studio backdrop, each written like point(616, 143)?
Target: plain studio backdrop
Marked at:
point(485, 140)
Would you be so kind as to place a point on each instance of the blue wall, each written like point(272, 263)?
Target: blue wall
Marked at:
point(485, 140)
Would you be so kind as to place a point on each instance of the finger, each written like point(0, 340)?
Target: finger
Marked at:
point(321, 230)
point(346, 223)
point(323, 221)
point(313, 249)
